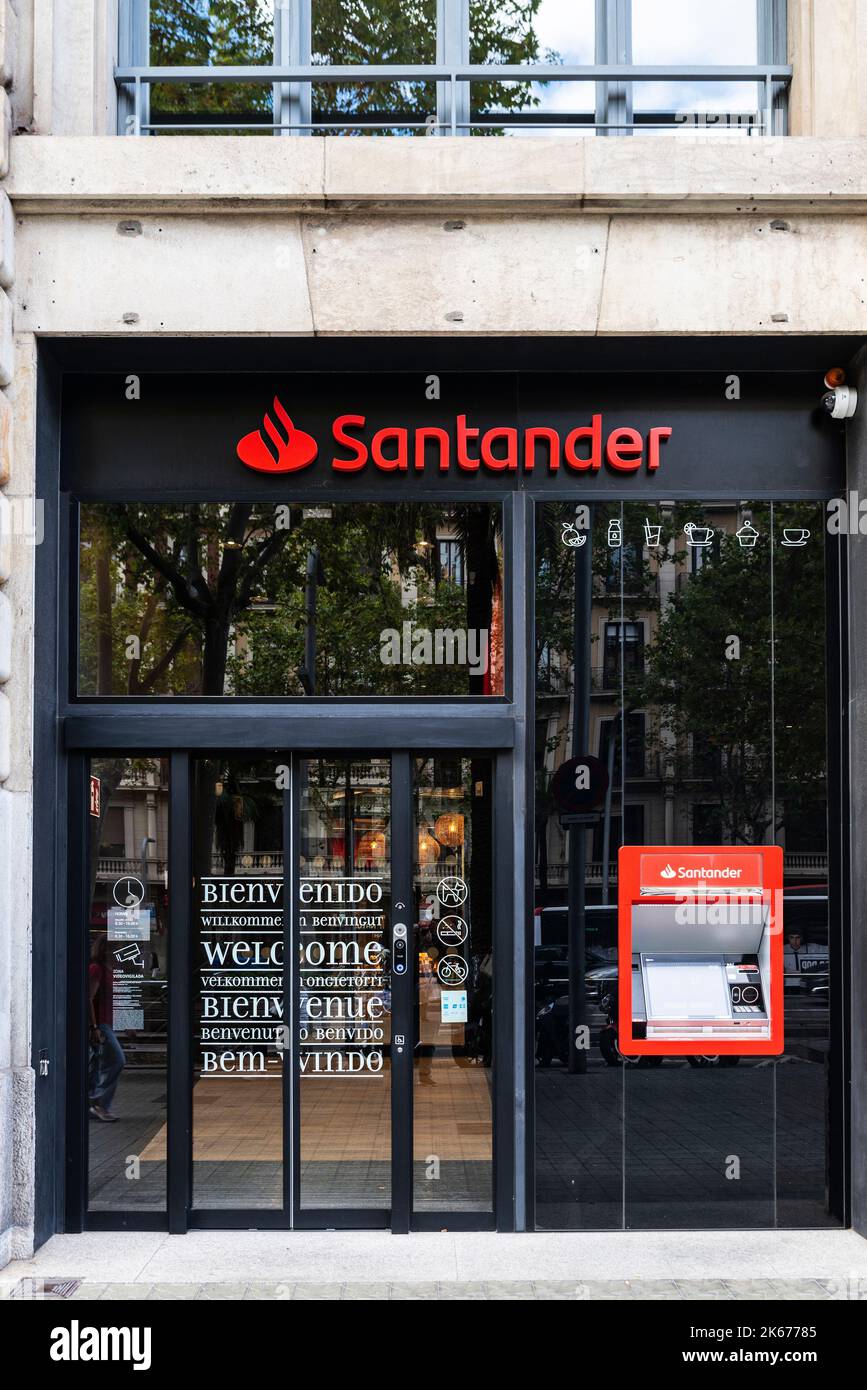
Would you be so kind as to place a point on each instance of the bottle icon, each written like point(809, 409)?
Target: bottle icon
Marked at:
point(615, 533)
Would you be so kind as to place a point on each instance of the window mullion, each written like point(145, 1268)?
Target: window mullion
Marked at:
point(614, 45)
point(293, 44)
point(133, 50)
point(453, 50)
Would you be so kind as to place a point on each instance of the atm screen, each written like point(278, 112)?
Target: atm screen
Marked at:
point(683, 989)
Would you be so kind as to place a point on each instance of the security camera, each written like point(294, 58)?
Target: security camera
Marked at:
point(840, 402)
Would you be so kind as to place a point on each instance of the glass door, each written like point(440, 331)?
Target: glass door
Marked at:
point(453, 896)
point(344, 925)
point(287, 990)
point(238, 989)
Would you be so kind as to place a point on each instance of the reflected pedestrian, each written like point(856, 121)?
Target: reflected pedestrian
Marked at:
point(110, 1058)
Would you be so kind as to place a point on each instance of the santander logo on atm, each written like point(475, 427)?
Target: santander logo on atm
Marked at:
point(738, 869)
point(280, 447)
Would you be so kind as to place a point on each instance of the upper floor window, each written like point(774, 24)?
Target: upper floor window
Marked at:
point(429, 67)
point(211, 33)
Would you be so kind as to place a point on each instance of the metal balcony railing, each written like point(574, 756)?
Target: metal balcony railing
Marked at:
point(452, 113)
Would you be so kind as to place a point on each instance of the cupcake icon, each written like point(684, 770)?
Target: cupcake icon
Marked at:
point(747, 535)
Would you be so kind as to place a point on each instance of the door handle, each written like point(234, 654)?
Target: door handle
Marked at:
point(399, 948)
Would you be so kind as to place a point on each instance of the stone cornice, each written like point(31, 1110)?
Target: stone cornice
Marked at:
point(646, 175)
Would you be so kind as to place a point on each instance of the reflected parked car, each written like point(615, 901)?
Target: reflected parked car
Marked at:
point(552, 1034)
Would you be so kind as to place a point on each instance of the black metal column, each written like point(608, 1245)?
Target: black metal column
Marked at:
point(577, 917)
point(403, 991)
point(179, 1076)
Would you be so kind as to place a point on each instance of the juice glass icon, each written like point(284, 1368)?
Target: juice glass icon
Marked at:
point(652, 533)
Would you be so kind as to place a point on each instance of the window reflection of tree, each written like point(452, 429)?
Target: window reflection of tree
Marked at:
point(721, 711)
point(210, 600)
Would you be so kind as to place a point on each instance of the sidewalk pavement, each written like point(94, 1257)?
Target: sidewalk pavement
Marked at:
point(707, 1265)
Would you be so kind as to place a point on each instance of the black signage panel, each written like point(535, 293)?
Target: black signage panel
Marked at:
point(238, 436)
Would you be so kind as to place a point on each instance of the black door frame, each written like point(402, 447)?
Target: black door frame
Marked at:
point(180, 1215)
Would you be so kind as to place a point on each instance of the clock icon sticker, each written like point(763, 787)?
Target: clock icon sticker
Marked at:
point(128, 891)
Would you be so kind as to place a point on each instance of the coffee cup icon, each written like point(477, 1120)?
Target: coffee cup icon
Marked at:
point(698, 535)
point(795, 535)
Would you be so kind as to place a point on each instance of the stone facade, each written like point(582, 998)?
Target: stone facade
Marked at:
point(101, 235)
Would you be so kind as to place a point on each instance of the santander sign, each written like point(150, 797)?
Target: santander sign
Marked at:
point(280, 447)
point(741, 869)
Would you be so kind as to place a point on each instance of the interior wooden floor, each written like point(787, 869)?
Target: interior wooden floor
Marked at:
point(239, 1119)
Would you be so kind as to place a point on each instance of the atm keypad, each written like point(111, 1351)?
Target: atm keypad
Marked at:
point(746, 996)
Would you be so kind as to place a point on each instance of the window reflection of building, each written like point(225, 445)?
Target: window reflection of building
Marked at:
point(714, 730)
point(451, 561)
point(683, 781)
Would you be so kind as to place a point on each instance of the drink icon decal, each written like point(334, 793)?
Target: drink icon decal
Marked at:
point(571, 536)
point(652, 533)
point(615, 533)
point(452, 970)
point(795, 535)
point(698, 535)
point(452, 931)
point(452, 892)
point(747, 535)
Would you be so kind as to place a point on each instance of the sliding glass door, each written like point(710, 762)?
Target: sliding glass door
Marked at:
point(316, 1049)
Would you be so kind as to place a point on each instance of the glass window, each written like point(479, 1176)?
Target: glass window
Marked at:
point(452, 562)
point(452, 1113)
point(238, 1023)
point(679, 32)
point(624, 651)
point(532, 31)
point(211, 33)
point(628, 733)
point(252, 600)
point(377, 32)
point(127, 983)
point(723, 717)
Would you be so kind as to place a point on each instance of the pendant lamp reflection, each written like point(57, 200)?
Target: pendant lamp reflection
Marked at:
point(449, 829)
point(428, 849)
point(371, 846)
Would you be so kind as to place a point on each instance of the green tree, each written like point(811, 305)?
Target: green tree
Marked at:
point(219, 32)
point(210, 599)
point(211, 33)
point(404, 31)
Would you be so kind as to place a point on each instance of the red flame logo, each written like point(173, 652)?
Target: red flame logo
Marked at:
point(297, 450)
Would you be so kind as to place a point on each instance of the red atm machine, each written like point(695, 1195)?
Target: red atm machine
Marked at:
point(701, 940)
